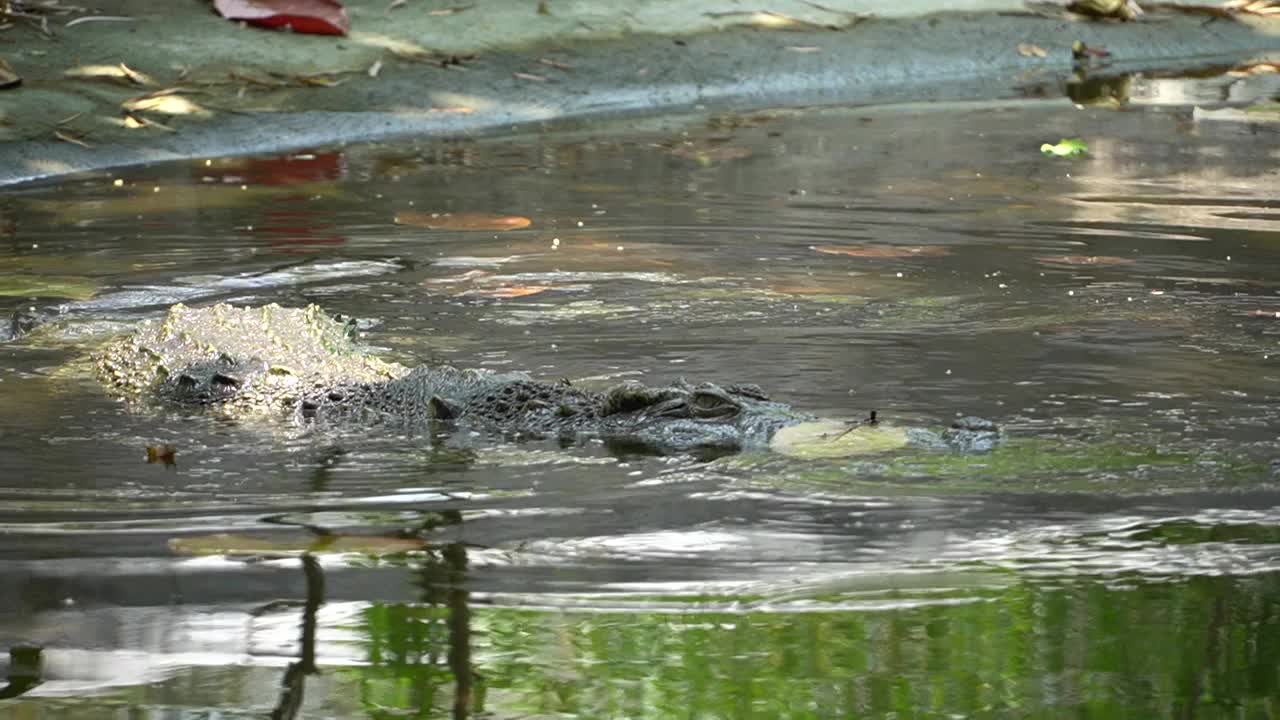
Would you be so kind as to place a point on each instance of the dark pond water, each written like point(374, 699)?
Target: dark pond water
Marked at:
point(1118, 556)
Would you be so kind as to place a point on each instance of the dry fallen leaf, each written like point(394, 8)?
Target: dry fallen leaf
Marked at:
point(1265, 314)
point(462, 221)
point(1086, 260)
point(136, 77)
point(161, 454)
point(374, 69)
point(766, 19)
point(134, 122)
point(884, 251)
point(1030, 50)
point(1253, 7)
point(9, 77)
point(400, 48)
point(530, 76)
point(166, 102)
point(120, 73)
point(1112, 9)
point(72, 136)
point(556, 64)
point(319, 80)
point(450, 10)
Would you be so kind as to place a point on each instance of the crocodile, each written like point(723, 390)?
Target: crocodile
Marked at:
point(303, 365)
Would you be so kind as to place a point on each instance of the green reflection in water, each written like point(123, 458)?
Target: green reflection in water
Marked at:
point(1203, 647)
point(1017, 464)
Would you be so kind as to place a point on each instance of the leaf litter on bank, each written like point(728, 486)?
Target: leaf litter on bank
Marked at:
point(118, 73)
point(169, 101)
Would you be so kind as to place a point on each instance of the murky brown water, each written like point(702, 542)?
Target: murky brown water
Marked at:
point(1116, 313)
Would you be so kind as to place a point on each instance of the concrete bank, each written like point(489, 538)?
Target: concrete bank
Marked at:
point(403, 72)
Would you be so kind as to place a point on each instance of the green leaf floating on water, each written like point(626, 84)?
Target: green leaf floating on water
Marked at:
point(834, 438)
point(1066, 147)
point(63, 286)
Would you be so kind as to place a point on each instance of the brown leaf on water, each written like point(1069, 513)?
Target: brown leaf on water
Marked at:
point(884, 251)
point(166, 454)
point(507, 291)
point(1031, 50)
point(466, 277)
point(1265, 314)
point(462, 221)
point(1086, 260)
point(9, 77)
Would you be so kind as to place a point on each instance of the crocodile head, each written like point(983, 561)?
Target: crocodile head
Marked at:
point(705, 418)
point(210, 381)
point(241, 361)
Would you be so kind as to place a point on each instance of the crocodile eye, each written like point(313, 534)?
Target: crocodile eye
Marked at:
point(713, 404)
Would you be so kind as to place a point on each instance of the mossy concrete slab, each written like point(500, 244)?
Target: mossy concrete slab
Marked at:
point(426, 69)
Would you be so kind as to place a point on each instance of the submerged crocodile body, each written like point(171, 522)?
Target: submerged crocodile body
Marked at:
point(302, 364)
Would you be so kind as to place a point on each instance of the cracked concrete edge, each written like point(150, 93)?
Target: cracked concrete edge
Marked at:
point(956, 56)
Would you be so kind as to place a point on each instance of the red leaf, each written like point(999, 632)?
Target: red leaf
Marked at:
point(318, 17)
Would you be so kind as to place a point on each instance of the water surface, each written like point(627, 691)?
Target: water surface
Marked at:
point(1118, 556)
